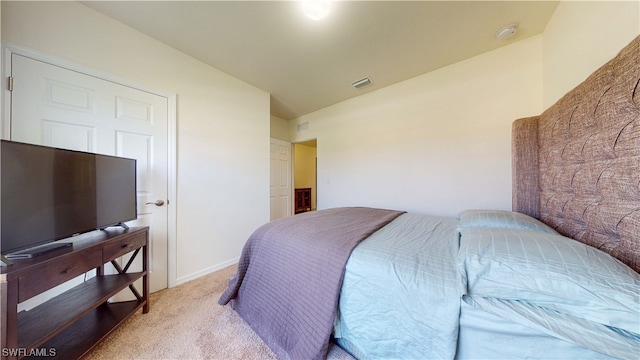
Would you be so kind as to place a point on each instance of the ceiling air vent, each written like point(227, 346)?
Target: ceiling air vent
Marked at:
point(302, 127)
point(358, 84)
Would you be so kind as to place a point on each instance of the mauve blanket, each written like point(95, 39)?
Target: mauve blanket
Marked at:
point(290, 274)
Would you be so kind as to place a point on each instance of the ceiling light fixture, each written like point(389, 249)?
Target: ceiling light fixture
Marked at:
point(507, 31)
point(316, 9)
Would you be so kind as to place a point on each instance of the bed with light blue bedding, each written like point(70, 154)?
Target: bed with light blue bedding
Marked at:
point(486, 284)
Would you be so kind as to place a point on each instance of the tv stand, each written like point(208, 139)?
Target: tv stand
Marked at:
point(69, 325)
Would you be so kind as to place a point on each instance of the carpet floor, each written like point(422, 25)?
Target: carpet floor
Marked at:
point(185, 322)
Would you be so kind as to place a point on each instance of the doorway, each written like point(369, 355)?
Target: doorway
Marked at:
point(305, 175)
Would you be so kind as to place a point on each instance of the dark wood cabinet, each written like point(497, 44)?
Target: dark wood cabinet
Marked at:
point(303, 200)
point(69, 325)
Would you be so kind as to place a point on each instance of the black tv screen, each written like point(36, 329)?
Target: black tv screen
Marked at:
point(48, 194)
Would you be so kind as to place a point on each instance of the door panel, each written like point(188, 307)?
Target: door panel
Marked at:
point(68, 96)
point(68, 136)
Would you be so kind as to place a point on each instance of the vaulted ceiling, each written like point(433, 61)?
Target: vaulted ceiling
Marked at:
point(309, 64)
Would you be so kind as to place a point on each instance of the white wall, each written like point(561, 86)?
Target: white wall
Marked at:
point(279, 128)
point(222, 123)
point(437, 143)
point(582, 36)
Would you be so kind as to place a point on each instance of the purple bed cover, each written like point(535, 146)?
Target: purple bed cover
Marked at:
point(290, 274)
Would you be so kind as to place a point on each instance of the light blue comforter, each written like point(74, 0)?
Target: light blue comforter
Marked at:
point(528, 293)
point(400, 296)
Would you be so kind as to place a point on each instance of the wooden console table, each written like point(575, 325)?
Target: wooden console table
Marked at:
point(69, 325)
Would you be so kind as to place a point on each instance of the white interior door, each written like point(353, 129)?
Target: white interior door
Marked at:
point(54, 106)
point(280, 189)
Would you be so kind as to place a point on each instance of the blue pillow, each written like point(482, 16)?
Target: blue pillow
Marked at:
point(550, 271)
point(501, 219)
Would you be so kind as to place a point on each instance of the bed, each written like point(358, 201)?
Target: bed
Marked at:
point(556, 277)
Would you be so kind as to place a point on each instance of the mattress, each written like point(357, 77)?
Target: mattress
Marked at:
point(400, 297)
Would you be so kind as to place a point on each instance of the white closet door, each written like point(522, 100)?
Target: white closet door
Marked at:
point(280, 190)
point(54, 106)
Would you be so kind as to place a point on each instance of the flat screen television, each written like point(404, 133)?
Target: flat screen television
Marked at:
point(48, 194)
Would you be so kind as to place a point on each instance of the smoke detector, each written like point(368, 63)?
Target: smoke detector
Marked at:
point(358, 84)
point(507, 31)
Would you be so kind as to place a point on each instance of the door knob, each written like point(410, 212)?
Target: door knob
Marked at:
point(156, 203)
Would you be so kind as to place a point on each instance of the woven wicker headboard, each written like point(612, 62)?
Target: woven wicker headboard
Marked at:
point(576, 167)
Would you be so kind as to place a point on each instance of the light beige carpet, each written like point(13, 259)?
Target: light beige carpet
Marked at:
point(185, 322)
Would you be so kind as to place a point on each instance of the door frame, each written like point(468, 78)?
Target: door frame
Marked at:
point(5, 129)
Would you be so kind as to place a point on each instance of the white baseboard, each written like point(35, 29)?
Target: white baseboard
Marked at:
point(206, 271)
